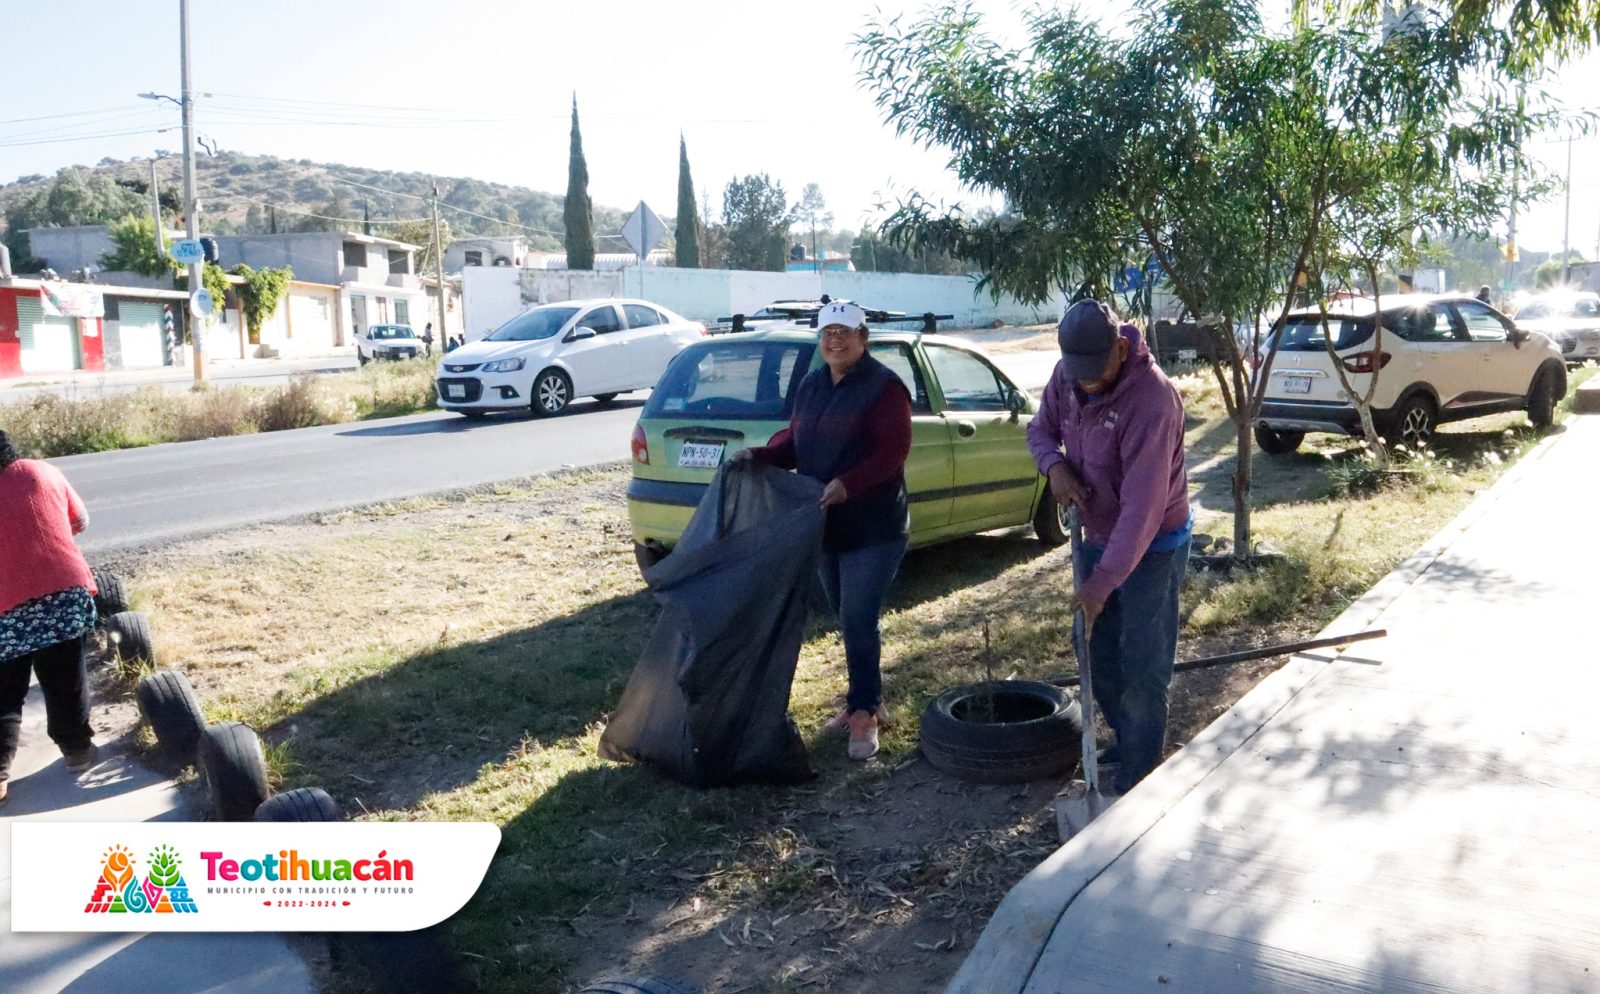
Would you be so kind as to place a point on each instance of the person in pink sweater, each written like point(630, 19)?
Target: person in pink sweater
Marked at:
point(46, 607)
point(1109, 438)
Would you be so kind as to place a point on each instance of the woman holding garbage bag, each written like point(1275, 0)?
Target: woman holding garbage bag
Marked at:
point(851, 431)
point(46, 607)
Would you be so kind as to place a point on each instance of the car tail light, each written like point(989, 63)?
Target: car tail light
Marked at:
point(703, 331)
point(1366, 362)
point(641, 448)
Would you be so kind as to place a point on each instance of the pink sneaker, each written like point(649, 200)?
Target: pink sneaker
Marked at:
point(839, 723)
point(863, 735)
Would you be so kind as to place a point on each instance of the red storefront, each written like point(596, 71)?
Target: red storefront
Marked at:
point(50, 327)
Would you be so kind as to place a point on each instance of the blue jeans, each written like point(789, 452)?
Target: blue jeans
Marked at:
point(856, 582)
point(1131, 655)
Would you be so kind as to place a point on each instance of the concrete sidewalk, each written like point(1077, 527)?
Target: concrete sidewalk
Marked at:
point(1419, 814)
point(117, 788)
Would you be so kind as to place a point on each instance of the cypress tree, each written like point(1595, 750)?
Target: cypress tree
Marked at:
point(688, 222)
point(578, 212)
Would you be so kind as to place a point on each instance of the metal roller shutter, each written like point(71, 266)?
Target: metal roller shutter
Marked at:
point(49, 345)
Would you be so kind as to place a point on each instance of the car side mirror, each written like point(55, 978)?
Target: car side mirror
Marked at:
point(579, 333)
point(1016, 403)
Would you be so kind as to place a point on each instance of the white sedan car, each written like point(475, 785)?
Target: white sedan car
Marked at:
point(545, 357)
point(388, 341)
point(1570, 318)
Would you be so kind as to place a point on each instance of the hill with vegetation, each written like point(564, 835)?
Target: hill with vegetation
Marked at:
point(242, 194)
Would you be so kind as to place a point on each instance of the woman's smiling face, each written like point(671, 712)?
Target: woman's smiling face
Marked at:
point(842, 347)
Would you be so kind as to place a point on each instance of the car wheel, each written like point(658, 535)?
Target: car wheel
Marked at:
point(300, 804)
point(605, 398)
point(129, 632)
point(1008, 731)
point(361, 358)
point(235, 770)
point(111, 596)
point(1278, 443)
point(1542, 396)
point(1413, 423)
point(552, 392)
point(167, 701)
point(1050, 520)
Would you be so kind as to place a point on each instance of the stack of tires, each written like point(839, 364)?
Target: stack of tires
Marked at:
point(228, 754)
point(126, 631)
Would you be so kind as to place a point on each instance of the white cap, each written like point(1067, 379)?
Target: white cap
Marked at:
point(840, 312)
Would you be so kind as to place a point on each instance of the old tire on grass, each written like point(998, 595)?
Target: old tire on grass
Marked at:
point(1278, 443)
point(1008, 731)
point(129, 632)
point(235, 770)
point(300, 804)
point(167, 701)
point(409, 961)
point(111, 597)
point(1050, 520)
point(635, 985)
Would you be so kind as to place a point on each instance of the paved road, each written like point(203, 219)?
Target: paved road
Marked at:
point(145, 497)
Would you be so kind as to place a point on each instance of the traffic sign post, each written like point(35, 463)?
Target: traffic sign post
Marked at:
point(642, 230)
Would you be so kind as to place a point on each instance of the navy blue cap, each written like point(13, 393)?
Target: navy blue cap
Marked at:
point(1087, 334)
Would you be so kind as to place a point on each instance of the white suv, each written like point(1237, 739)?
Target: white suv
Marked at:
point(1442, 358)
point(544, 357)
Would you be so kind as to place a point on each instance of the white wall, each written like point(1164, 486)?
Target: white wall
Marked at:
point(495, 295)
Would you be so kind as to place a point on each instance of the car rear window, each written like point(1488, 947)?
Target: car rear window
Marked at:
point(733, 380)
point(1305, 334)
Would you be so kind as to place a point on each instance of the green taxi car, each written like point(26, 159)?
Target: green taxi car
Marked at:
point(969, 469)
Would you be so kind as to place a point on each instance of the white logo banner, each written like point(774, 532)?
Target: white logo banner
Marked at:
point(244, 876)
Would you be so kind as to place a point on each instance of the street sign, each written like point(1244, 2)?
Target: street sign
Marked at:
point(200, 303)
point(187, 251)
point(642, 230)
point(1130, 279)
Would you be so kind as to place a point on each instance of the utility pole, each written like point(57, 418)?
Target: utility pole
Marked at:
point(1566, 227)
point(438, 265)
point(191, 209)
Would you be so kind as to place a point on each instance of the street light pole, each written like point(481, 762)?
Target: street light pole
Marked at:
point(438, 265)
point(1566, 227)
point(191, 209)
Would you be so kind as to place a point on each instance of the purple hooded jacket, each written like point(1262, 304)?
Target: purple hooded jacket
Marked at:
point(1127, 448)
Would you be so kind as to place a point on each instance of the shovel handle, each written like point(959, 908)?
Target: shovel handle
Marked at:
point(1091, 768)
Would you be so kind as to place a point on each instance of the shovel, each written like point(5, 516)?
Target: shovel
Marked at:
point(1073, 814)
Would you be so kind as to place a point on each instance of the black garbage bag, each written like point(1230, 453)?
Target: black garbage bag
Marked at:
point(708, 702)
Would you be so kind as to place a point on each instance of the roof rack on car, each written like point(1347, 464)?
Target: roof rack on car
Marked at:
point(808, 316)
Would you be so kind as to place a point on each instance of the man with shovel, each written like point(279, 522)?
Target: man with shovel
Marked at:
point(1109, 437)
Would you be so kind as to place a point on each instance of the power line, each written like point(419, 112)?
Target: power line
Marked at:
point(225, 195)
point(57, 117)
point(463, 210)
point(79, 138)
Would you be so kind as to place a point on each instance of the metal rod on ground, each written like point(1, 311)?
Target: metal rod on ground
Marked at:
point(1264, 652)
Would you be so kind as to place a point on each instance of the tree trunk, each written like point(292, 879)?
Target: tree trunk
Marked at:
point(1241, 491)
point(1375, 446)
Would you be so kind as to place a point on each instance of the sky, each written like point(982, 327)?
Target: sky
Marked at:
point(483, 88)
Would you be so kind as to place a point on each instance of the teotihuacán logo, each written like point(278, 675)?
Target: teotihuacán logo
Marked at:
point(119, 889)
point(240, 877)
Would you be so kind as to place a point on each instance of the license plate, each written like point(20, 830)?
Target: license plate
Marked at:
point(700, 455)
point(455, 391)
point(1297, 384)
point(1188, 355)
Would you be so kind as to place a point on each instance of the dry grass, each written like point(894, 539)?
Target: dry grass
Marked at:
point(69, 423)
point(458, 661)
